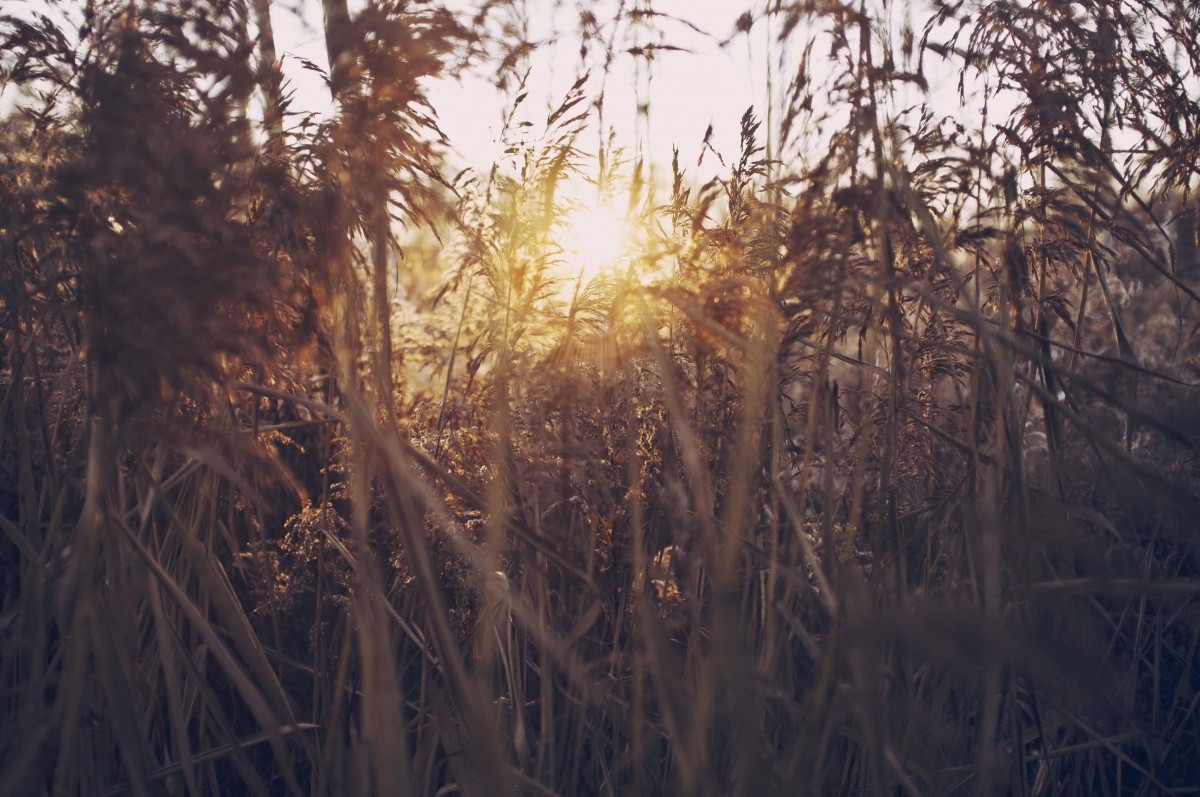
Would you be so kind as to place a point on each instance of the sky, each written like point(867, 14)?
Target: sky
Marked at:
point(706, 84)
point(717, 75)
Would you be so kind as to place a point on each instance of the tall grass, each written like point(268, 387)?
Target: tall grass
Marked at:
point(879, 479)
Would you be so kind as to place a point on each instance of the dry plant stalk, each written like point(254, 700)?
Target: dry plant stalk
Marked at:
point(880, 479)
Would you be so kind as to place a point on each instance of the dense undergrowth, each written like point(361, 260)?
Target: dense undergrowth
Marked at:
point(870, 468)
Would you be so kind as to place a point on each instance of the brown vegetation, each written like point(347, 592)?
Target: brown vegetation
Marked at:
point(882, 479)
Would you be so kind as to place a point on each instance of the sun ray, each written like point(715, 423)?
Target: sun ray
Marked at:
point(594, 238)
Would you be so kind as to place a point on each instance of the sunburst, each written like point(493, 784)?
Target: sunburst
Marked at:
point(594, 237)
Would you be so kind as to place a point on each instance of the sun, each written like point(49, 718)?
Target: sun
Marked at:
point(593, 238)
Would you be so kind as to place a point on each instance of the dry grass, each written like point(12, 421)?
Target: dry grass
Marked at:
point(882, 481)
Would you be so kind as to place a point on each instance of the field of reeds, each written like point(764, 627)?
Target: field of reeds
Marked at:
point(868, 467)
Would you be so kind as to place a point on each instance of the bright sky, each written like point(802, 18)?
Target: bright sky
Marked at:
point(688, 90)
point(709, 84)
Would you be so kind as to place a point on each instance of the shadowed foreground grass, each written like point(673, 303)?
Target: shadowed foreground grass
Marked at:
point(868, 468)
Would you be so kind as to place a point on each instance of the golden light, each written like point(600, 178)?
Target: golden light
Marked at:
point(593, 238)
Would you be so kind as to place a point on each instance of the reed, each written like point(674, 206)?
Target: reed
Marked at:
point(867, 468)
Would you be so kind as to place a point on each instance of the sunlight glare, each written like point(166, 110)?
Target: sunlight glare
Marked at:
point(593, 238)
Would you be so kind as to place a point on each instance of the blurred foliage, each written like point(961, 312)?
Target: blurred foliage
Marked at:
point(869, 467)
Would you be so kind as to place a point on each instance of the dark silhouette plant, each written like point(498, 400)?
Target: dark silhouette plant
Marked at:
point(870, 468)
